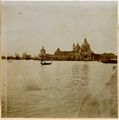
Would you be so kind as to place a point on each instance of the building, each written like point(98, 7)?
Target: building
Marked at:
point(86, 52)
point(42, 53)
point(76, 48)
point(78, 52)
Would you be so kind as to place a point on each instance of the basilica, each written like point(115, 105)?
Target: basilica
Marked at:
point(78, 52)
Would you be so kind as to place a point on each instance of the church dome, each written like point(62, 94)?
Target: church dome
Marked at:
point(85, 47)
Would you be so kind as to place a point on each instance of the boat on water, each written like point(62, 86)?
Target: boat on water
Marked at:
point(46, 63)
point(43, 57)
point(112, 61)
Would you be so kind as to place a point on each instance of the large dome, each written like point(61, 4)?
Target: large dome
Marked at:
point(85, 47)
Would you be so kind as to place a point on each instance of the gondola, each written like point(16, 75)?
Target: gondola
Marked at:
point(43, 55)
point(46, 63)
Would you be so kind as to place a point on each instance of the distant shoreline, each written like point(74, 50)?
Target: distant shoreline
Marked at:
point(38, 59)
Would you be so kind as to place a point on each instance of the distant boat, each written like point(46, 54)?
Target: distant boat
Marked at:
point(113, 61)
point(43, 55)
point(46, 63)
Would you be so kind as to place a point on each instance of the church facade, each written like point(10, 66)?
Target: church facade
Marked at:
point(78, 52)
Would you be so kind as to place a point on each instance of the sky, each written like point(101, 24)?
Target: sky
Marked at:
point(27, 26)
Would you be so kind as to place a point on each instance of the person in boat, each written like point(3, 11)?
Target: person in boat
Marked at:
point(43, 53)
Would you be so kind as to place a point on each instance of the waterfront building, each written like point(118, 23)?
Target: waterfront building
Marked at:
point(82, 52)
point(86, 52)
point(43, 51)
point(74, 48)
point(85, 47)
point(57, 51)
point(26, 56)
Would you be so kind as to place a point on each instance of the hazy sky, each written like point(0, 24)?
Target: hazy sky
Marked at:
point(27, 26)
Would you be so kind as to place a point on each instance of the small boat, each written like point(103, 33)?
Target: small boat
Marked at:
point(46, 63)
point(112, 61)
point(43, 56)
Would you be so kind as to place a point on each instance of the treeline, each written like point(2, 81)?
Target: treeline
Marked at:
point(25, 56)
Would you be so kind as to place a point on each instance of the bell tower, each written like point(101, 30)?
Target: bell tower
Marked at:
point(74, 48)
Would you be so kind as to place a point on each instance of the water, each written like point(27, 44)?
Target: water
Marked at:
point(64, 89)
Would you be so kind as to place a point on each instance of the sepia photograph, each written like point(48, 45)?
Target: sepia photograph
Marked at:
point(59, 59)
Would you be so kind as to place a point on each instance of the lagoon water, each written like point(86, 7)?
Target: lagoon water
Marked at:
point(65, 89)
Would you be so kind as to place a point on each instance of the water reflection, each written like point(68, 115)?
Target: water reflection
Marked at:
point(80, 74)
